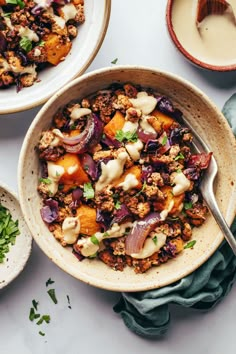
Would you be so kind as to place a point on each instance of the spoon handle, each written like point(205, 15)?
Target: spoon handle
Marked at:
point(210, 200)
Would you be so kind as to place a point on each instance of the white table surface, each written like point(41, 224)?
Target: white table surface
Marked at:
point(137, 35)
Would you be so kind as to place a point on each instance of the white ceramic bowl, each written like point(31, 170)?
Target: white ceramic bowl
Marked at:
point(208, 122)
point(19, 253)
point(84, 49)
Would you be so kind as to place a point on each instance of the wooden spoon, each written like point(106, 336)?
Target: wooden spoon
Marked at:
point(213, 7)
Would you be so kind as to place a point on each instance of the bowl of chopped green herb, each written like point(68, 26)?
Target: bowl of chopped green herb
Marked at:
point(15, 238)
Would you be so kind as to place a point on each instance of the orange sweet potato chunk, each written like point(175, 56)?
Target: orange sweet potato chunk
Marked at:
point(116, 123)
point(177, 199)
point(74, 174)
point(87, 216)
point(162, 119)
point(136, 171)
point(56, 50)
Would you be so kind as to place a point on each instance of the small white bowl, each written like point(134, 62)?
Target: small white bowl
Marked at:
point(19, 253)
point(84, 50)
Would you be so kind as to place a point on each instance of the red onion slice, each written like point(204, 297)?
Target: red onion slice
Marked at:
point(136, 238)
point(146, 136)
point(49, 212)
point(90, 136)
point(89, 166)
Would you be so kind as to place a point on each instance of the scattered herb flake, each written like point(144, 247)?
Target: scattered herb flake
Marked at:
point(26, 44)
point(94, 240)
point(49, 282)
point(68, 300)
point(45, 180)
point(106, 234)
point(141, 190)
point(190, 244)
point(41, 333)
point(188, 205)
point(164, 140)
point(52, 294)
point(155, 240)
point(41, 43)
point(114, 61)
point(178, 170)
point(16, 2)
point(35, 304)
point(180, 156)
point(88, 191)
point(126, 136)
point(33, 315)
point(44, 318)
point(117, 205)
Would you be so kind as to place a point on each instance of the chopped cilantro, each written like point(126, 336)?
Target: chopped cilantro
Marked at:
point(154, 239)
point(33, 315)
point(180, 156)
point(190, 244)
point(8, 231)
point(41, 43)
point(141, 190)
point(52, 294)
point(164, 140)
point(44, 318)
point(45, 180)
point(188, 205)
point(126, 136)
point(88, 191)
point(26, 44)
point(94, 240)
point(49, 282)
point(117, 205)
point(114, 61)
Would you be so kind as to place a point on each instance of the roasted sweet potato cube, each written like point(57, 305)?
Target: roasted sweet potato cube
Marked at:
point(116, 123)
point(55, 48)
point(162, 119)
point(136, 171)
point(178, 243)
point(87, 216)
point(74, 174)
point(164, 204)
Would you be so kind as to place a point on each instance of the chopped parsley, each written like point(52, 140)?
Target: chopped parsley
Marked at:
point(41, 43)
point(52, 294)
point(49, 282)
point(188, 205)
point(164, 140)
point(44, 318)
point(26, 44)
point(190, 244)
point(180, 156)
point(88, 191)
point(155, 240)
point(8, 231)
point(45, 180)
point(131, 137)
point(114, 61)
point(117, 205)
point(94, 240)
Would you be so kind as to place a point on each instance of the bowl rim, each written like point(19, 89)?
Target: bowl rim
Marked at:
point(179, 46)
point(92, 56)
point(18, 269)
point(20, 172)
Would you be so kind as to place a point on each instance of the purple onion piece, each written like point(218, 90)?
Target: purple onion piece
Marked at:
point(3, 43)
point(104, 219)
point(146, 172)
point(49, 212)
point(121, 215)
point(110, 142)
point(89, 166)
point(176, 135)
point(138, 234)
point(146, 136)
point(192, 173)
point(165, 105)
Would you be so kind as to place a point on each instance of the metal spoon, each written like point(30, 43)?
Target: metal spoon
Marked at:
point(211, 7)
point(206, 188)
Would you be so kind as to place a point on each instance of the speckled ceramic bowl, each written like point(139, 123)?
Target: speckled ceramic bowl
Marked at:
point(84, 49)
point(18, 254)
point(208, 122)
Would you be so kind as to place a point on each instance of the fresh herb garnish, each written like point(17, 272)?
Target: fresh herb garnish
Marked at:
point(68, 300)
point(114, 61)
point(26, 44)
point(106, 234)
point(164, 140)
point(178, 170)
point(94, 240)
point(16, 2)
point(7, 14)
point(8, 231)
point(35, 304)
point(41, 43)
point(44, 318)
point(141, 190)
point(180, 156)
point(154, 239)
point(117, 205)
point(49, 282)
point(88, 191)
point(52, 294)
point(45, 180)
point(33, 315)
point(41, 333)
point(188, 205)
point(126, 136)
point(190, 244)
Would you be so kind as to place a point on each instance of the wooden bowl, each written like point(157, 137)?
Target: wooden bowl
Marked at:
point(183, 48)
point(208, 122)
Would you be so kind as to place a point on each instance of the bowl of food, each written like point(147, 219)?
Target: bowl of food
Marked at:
point(109, 184)
point(209, 44)
point(15, 238)
point(44, 45)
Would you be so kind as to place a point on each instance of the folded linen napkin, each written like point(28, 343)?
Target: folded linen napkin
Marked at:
point(147, 313)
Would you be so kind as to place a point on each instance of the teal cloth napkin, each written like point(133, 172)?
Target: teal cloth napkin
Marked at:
point(147, 313)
